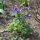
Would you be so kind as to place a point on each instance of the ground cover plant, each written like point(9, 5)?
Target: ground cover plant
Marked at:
point(19, 24)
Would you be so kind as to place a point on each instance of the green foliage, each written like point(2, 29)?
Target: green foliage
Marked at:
point(26, 31)
point(20, 26)
point(13, 37)
point(1, 4)
point(15, 26)
point(21, 17)
point(2, 8)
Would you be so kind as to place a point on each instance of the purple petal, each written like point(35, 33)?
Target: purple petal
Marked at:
point(14, 10)
point(27, 8)
point(19, 10)
point(27, 16)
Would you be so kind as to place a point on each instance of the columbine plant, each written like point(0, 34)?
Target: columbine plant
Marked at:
point(20, 25)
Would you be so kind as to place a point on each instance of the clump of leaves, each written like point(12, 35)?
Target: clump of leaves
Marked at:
point(16, 25)
point(26, 31)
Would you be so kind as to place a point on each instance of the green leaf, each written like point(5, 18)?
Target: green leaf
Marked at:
point(24, 2)
point(3, 12)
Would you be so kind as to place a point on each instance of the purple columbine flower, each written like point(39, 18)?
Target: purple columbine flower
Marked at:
point(26, 15)
point(19, 10)
point(27, 8)
point(14, 10)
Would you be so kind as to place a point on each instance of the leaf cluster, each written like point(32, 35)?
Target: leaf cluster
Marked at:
point(16, 25)
point(21, 27)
